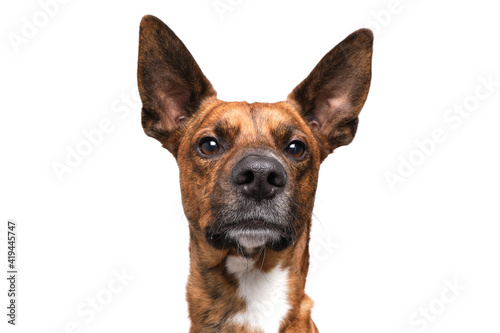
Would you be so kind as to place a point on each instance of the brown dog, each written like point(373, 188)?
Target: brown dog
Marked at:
point(248, 175)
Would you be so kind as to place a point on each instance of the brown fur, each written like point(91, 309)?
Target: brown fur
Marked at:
point(180, 107)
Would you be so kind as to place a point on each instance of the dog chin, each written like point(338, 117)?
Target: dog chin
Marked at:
point(249, 236)
point(252, 239)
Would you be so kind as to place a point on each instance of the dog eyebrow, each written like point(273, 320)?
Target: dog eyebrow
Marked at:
point(225, 129)
point(282, 132)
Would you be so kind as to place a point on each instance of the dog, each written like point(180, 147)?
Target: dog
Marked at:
point(248, 177)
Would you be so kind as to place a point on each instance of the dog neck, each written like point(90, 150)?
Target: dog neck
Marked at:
point(230, 292)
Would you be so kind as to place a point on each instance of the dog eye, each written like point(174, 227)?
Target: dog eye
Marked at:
point(209, 146)
point(296, 149)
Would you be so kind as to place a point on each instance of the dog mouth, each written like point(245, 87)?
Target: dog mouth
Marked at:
point(240, 223)
point(250, 235)
point(253, 234)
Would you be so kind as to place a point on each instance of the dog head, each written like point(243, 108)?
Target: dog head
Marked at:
point(248, 172)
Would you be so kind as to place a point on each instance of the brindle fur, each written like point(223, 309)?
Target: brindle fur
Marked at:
point(180, 107)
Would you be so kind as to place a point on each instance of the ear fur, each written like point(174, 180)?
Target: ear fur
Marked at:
point(334, 93)
point(171, 84)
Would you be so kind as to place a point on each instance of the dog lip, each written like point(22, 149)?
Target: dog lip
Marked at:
point(248, 227)
point(254, 234)
point(250, 232)
point(253, 224)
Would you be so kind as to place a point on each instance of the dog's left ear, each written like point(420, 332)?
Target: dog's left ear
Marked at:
point(332, 96)
point(171, 84)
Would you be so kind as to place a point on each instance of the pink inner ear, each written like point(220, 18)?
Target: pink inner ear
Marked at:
point(180, 119)
point(171, 106)
point(330, 111)
point(314, 125)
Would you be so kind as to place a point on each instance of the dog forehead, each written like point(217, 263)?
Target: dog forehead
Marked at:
point(253, 117)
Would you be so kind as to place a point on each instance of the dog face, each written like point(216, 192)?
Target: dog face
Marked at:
point(258, 161)
point(248, 172)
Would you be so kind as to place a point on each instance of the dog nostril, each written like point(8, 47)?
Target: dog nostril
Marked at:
point(244, 177)
point(276, 179)
point(248, 177)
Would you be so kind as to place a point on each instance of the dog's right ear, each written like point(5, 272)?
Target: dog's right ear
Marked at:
point(171, 84)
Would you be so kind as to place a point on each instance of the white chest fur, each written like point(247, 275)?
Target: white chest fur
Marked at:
point(266, 294)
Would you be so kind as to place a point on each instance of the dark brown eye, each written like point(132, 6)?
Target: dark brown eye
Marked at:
point(296, 149)
point(209, 146)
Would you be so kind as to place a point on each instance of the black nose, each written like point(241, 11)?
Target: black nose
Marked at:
point(259, 177)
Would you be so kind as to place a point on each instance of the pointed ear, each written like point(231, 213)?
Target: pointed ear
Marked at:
point(171, 84)
point(332, 96)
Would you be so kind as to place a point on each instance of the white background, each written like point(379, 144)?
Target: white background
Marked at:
point(379, 253)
